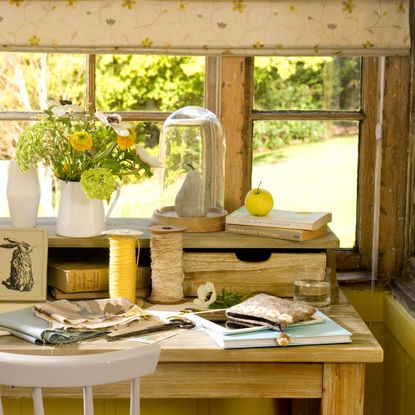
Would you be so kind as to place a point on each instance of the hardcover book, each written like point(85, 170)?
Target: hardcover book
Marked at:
point(87, 276)
point(279, 233)
point(58, 294)
point(280, 219)
point(326, 331)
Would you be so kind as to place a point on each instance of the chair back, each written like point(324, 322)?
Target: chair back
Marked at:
point(87, 370)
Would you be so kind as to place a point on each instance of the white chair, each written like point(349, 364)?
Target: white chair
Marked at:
point(84, 370)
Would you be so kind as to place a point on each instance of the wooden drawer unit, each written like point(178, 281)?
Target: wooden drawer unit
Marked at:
point(274, 273)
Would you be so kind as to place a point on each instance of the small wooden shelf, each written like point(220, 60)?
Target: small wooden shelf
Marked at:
point(205, 240)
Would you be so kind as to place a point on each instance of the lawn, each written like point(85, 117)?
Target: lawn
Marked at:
point(314, 177)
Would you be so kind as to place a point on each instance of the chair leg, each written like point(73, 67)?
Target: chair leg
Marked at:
point(37, 401)
point(135, 397)
point(88, 401)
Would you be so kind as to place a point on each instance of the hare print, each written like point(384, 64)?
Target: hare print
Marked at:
point(21, 274)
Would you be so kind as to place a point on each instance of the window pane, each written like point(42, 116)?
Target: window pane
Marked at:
point(307, 83)
point(149, 83)
point(27, 80)
point(139, 197)
point(315, 174)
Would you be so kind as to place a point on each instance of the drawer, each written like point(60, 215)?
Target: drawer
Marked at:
point(274, 275)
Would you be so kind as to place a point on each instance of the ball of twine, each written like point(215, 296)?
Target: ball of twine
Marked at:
point(166, 250)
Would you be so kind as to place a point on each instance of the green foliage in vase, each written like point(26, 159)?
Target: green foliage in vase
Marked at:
point(78, 147)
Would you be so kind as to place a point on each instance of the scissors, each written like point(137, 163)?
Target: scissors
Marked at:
point(173, 323)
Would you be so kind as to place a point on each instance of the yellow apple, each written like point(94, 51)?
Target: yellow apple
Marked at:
point(259, 202)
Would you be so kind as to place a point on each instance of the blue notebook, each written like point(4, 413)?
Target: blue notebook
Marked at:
point(325, 332)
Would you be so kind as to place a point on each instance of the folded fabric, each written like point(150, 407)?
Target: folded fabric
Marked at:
point(25, 325)
point(88, 314)
point(270, 311)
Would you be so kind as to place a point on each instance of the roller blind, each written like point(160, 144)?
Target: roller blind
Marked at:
point(239, 27)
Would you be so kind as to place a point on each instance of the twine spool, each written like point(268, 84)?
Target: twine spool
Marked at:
point(123, 262)
point(166, 250)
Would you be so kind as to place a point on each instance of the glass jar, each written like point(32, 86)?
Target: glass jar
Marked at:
point(192, 150)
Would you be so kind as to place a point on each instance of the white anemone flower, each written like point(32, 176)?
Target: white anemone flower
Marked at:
point(115, 121)
point(206, 295)
point(146, 157)
point(62, 107)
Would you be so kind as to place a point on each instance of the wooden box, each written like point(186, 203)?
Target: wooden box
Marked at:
point(274, 274)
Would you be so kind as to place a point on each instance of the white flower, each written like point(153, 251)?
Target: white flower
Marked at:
point(62, 107)
point(115, 121)
point(147, 158)
point(206, 294)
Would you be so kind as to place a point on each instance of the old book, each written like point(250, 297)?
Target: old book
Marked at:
point(87, 276)
point(58, 294)
point(325, 332)
point(280, 219)
point(279, 233)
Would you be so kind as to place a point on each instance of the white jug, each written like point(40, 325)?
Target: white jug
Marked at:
point(79, 216)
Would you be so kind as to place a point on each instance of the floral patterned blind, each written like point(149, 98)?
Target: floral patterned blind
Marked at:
point(240, 27)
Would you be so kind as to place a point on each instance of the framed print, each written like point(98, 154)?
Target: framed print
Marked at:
point(23, 264)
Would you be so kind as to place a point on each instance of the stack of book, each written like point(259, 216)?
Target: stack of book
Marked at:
point(88, 280)
point(320, 330)
point(282, 224)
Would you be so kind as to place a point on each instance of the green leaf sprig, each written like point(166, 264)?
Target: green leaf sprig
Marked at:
point(227, 299)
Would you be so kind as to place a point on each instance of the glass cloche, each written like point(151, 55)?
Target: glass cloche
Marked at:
point(192, 150)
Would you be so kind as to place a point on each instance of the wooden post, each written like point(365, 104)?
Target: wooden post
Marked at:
point(235, 115)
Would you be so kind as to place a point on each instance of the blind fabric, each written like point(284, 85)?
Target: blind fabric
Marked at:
point(239, 27)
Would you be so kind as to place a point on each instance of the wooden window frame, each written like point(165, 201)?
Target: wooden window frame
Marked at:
point(237, 116)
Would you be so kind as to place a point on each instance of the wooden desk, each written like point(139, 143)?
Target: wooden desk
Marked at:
point(192, 366)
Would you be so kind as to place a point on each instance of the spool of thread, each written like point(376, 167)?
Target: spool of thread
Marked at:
point(166, 250)
point(123, 262)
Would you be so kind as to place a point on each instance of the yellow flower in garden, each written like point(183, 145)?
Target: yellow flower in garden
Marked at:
point(128, 141)
point(81, 141)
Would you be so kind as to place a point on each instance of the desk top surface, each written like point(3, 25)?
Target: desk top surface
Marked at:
point(197, 346)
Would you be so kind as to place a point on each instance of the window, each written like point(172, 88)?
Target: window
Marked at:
point(306, 115)
point(142, 89)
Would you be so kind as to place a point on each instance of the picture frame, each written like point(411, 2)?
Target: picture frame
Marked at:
point(23, 264)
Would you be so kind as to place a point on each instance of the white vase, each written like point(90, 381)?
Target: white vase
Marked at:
point(23, 196)
point(79, 216)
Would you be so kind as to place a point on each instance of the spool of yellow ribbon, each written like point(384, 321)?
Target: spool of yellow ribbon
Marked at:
point(123, 262)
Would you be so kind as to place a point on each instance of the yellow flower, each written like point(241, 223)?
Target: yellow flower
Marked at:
point(15, 2)
point(146, 43)
point(348, 6)
point(238, 6)
point(34, 40)
point(128, 141)
point(128, 4)
point(368, 45)
point(81, 141)
point(292, 8)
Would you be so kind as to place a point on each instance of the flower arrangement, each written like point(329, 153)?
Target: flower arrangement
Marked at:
point(96, 150)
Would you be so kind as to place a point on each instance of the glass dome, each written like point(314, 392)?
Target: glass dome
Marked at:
point(192, 147)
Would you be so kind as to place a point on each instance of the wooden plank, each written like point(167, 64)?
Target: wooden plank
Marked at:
point(394, 168)
point(343, 389)
point(307, 115)
point(367, 162)
point(275, 275)
point(208, 240)
point(211, 380)
point(235, 110)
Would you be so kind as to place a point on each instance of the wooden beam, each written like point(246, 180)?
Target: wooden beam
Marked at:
point(235, 114)
point(394, 167)
point(367, 145)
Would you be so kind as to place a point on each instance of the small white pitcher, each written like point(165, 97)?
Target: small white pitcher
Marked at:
point(79, 216)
